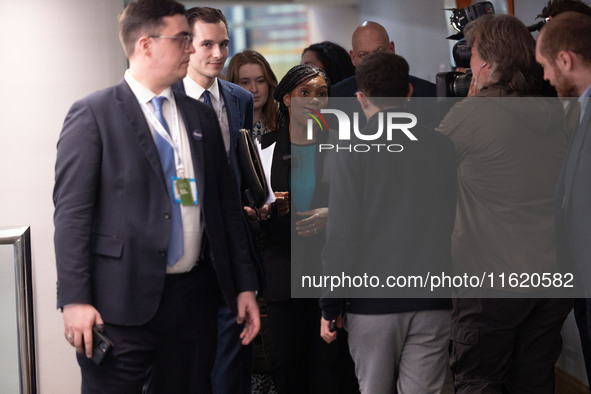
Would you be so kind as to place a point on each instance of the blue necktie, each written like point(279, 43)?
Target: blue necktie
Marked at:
point(166, 152)
point(207, 98)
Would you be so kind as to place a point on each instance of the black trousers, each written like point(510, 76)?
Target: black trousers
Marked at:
point(301, 361)
point(233, 364)
point(506, 345)
point(172, 353)
point(582, 311)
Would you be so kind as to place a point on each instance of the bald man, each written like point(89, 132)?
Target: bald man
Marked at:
point(370, 37)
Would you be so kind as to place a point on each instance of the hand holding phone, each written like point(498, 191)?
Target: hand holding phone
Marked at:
point(101, 344)
point(332, 327)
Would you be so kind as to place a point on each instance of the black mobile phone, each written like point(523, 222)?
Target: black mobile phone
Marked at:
point(101, 344)
point(332, 327)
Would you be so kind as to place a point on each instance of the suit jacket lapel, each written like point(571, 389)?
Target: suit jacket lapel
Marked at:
point(179, 86)
point(134, 115)
point(575, 151)
point(195, 134)
point(232, 110)
point(282, 164)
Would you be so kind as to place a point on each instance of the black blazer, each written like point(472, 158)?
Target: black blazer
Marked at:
point(239, 108)
point(426, 110)
point(573, 210)
point(391, 214)
point(280, 260)
point(348, 87)
point(112, 211)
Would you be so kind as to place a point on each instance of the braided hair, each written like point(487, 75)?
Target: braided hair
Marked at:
point(296, 76)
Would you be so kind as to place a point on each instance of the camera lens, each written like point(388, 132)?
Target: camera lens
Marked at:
point(460, 84)
point(453, 83)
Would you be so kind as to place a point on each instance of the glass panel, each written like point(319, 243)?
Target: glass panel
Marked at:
point(278, 31)
point(17, 345)
point(8, 326)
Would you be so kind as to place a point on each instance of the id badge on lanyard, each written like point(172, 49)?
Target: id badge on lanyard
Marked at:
point(185, 189)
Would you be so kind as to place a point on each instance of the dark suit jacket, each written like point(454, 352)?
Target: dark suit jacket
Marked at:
point(572, 205)
point(424, 109)
point(348, 87)
point(390, 214)
point(112, 211)
point(280, 251)
point(239, 107)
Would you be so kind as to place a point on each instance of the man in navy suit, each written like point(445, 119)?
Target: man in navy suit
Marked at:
point(233, 106)
point(149, 230)
point(563, 50)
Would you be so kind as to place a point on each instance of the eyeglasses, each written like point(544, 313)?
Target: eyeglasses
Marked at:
point(185, 39)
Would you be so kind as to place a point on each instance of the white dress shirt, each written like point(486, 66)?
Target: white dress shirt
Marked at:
point(191, 215)
point(194, 90)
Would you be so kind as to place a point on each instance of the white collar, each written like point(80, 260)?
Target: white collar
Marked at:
point(143, 94)
point(586, 92)
point(193, 89)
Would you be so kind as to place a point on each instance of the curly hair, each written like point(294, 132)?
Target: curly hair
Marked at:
point(555, 7)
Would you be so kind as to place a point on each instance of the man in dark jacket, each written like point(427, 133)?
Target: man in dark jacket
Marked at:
point(563, 50)
point(148, 225)
point(371, 37)
point(385, 208)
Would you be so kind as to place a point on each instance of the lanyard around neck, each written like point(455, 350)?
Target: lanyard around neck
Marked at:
point(174, 138)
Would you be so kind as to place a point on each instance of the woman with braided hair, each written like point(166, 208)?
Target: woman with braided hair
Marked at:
point(294, 235)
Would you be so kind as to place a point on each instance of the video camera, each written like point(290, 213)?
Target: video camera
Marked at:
point(456, 83)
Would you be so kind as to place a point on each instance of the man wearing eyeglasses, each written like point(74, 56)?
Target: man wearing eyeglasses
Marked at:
point(149, 230)
point(370, 37)
point(233, 107)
